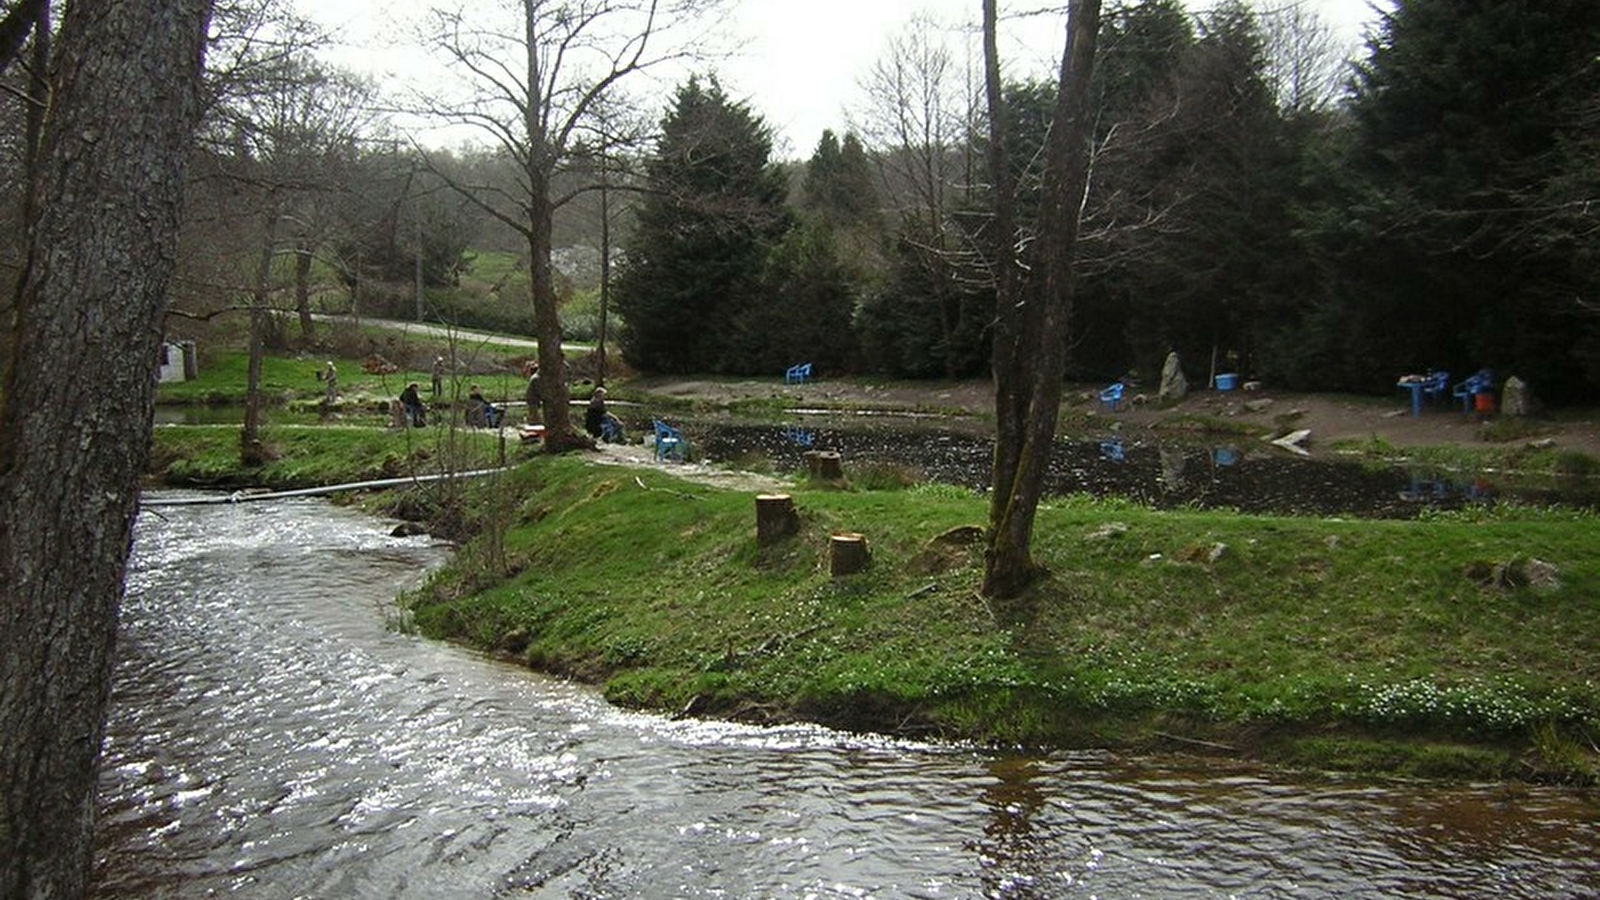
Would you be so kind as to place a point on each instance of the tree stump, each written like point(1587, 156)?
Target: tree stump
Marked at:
point(825, 464)
point(776, 518)
point(848, 554)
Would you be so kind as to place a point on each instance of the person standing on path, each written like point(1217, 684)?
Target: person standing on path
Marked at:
point(532, 395)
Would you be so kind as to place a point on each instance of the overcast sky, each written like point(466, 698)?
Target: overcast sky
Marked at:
point(795, 62)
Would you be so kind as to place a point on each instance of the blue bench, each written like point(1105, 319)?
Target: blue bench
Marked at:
point(799, 374)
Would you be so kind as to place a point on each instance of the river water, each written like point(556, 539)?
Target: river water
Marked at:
point(273, 734)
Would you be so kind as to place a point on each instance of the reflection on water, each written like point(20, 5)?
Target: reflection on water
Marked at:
point(272, 735)
point(1262, 479)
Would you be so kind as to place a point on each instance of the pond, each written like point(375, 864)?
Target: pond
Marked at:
point(1244, 474)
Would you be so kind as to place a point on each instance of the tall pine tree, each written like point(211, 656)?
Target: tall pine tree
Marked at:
point(1473, 222)
point(712, 211)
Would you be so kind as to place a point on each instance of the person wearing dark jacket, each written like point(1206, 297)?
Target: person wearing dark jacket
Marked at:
point(599, 422)
point(416, 413)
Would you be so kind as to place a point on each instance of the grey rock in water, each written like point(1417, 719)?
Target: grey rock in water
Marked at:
point(1174, 386)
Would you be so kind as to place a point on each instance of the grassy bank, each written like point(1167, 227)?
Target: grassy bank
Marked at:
point(1460, 646)
point(207, 456)
point(293, 381)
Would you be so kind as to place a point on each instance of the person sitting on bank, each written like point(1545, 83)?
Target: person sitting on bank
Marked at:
point(477, 408)
point(599, 422)
point(411, 400)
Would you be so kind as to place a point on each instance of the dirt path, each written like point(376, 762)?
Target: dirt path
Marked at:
point(1330, 418)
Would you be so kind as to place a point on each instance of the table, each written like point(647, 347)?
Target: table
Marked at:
point(1416, 388)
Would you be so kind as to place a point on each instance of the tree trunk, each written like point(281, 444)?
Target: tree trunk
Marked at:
point(251, 451)
point(605, 274)
point(302, 290)
point(558, 433)
point(1031, 328)
point(559, 436)
point(72, 449)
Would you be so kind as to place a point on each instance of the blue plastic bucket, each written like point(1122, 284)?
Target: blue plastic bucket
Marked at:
point(1227, 381)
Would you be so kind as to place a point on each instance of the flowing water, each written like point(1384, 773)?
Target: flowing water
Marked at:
point(274, 735)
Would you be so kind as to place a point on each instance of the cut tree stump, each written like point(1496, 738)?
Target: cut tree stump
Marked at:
point(776, 518)
point(826, 464)
point(848, 554)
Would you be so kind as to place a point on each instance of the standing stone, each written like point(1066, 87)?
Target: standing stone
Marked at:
point(1174, 386)
point(1516, 398)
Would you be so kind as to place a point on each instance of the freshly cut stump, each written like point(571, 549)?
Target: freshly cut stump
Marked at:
point(776, 518)
point(825, 464)
point(848, 554)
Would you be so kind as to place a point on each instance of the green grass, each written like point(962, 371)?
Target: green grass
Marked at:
point(315, 456)
point(293, 382)
point(1297, 629)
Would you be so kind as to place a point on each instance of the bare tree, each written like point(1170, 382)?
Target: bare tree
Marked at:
point(533, 83)
point(1033, 304)
point(918, 115)
point(1306, 63)
point(124, 101)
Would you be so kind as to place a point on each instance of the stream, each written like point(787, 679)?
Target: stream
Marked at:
point(276, 732)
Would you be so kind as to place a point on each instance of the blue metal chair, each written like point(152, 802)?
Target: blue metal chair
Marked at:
point(799, 374)
point(670, 443)
point(1111, 396)
point(1437, 384)
point(1480, 382)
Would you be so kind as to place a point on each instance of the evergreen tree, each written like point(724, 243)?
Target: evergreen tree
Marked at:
point(713, 209)
point(807, 298)
point(839, 188)
point(1475, 126)
point(1188, 240)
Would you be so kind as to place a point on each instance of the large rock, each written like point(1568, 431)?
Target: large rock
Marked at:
point(1516, 398)
point(1174, 386)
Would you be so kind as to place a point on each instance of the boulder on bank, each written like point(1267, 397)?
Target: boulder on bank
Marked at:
point(1516, 398)
point(1174, 386)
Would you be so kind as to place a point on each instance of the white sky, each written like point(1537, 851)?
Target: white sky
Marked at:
point(796, 61)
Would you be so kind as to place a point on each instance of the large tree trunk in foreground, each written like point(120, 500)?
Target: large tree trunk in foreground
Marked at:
point(1031, 317)
point(76, 408)
point(559, 435)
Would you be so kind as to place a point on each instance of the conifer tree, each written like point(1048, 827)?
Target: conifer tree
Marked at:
point(713, 209)
point(1472, 219)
